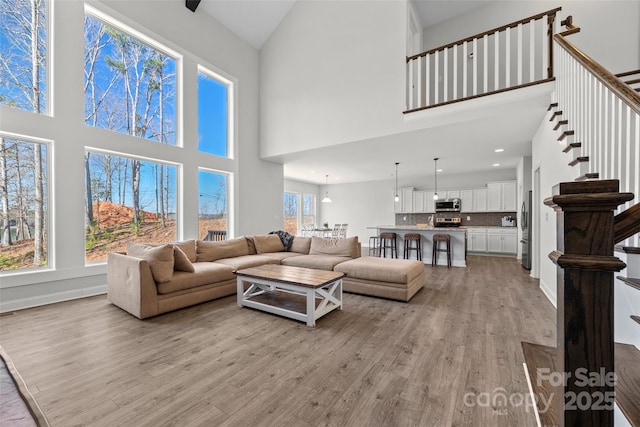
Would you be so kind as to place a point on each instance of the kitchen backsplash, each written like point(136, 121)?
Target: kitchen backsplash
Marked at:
point(480, 219)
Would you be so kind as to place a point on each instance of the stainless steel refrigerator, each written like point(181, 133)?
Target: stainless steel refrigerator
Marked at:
point(525, 225)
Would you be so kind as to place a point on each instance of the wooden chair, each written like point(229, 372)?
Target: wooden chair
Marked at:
point(409, 238)
point(388, 241)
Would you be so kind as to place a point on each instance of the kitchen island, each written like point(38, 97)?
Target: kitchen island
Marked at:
point(458, 242)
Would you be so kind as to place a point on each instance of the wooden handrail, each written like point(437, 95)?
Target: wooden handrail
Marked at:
point(626, 223)
point(613, 83)
point(551, 12)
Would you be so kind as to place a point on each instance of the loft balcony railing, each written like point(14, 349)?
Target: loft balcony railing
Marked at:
point(512, 56)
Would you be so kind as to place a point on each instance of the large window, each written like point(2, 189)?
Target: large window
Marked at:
point(291, 203)
point(23, 54)
point(213, 192)
point(127, 199)
point(130, 86)
point(213, 106)
point(299, 211)
point(23, 193)
point(309, 209)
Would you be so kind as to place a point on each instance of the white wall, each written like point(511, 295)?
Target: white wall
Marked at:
point(257, 185)
point(523, 172)
point(604, 24)
point(553, 165)
point(332, 72)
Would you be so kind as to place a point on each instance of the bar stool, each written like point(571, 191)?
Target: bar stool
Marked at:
point(374, 246)
point(408, 245)
point(441, 238)
point(388, 240)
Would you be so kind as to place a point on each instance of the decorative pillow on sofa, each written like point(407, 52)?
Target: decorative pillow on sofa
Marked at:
point(189, 249)
point(301, 245)
point(181, 261)
point(160, 259)
point(336, 247)
point(268, 243)
point(211, 251)
point(251, 244)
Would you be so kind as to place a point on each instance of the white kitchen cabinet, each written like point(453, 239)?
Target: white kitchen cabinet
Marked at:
point(453, 194)
point(480, 200)
point(502, 240)
point(477, 240)
point(428, 202)
point(466, 200)
point(501, 196)
point(405, 200)
point(419, 201)
point(406, 196)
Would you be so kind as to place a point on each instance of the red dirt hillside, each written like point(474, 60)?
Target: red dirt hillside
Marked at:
point(111, 215)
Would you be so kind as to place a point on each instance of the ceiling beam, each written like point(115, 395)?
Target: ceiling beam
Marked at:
point(192, 5)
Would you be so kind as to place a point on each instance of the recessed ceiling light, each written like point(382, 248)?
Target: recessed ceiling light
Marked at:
point(499, 150)
point(312, 171)
point(496, 164)
point(439, 170)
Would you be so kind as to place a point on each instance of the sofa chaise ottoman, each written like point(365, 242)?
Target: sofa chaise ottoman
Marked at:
point(391, 278)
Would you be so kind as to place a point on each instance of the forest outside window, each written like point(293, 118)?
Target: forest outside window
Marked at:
point(24, 174)
point(213, 207)
point(23, 55)
point(127, 200)
point(130, 86)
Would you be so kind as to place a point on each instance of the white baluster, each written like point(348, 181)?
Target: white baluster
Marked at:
point(465, 60)
point(419, 74)
point(519, 54)
point(436, 75)
point(545, 47)
point(445, 87)
point(532, 51)
point(427, 81)
point(507, 58)
point(485, 63)
point(475, 66)
point(411, 89)
point(455, 71)
point(496, 68)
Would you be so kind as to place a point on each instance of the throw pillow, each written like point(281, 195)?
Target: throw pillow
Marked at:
point(268, 243)
point(181, 261)
point(335, 247)
point(251, 244)
point(211, 251)
point(160, 259)
point(301, 245)
point(189, 249)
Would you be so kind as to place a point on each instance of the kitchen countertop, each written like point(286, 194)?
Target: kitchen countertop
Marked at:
point(415, 227)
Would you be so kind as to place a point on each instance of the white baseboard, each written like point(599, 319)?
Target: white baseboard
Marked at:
point(549, 293)
point(35, 301)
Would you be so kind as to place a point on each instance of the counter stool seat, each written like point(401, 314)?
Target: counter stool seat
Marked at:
point(374, 245)
point(388, 241)
point(409, 238)
point(437, 238)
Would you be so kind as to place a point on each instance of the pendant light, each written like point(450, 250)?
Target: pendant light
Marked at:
point(435, 170)
point(326, 194)
point(397, 198)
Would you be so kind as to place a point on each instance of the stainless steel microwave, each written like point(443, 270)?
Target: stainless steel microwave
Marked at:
point(447, 205)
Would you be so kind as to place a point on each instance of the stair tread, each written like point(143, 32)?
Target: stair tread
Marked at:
point(560, 123)
point(634, 283)
point(579, 160)
point(587, 176)
point(571, 146)
point(636, 318)
point(552, 105)
point(536, 357)
point(627, 389)
point(627, 363)
point(555, 114)
point(565, 134)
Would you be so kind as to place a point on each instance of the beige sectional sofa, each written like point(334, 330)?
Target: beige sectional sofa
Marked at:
point(149, 280)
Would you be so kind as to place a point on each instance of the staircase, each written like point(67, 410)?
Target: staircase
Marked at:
point(596, 116)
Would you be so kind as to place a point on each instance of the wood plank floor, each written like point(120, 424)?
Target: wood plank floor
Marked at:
point(430, 362)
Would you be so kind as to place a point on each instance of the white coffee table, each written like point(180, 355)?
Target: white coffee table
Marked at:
point(303, 294)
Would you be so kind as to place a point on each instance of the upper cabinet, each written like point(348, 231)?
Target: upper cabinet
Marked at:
point(496, 197)
point(466, 200)
point(480, 200)
point(501, 196)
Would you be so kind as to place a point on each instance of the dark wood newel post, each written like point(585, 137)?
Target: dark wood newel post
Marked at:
point(585, 227)
point(550, 22)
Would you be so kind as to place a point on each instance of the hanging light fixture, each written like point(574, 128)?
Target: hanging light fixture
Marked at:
point(326, 194)
point(435, 170)
point(397, 198)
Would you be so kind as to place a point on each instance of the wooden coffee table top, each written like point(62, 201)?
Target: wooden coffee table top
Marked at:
point(307, 277)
